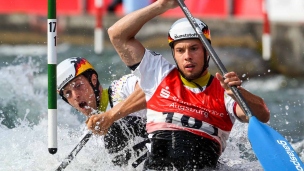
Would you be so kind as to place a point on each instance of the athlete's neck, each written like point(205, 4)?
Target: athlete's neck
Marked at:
point(201, 81)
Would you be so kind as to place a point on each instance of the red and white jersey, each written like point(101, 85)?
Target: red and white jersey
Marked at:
point(174, 105)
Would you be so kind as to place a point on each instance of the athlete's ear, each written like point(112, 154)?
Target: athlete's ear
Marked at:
point(94, 79)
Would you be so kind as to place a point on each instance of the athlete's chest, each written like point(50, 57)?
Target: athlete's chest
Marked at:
point(173, 96)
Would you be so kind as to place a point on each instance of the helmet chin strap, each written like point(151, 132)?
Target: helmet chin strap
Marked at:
point(88, 75)
point(96, 92)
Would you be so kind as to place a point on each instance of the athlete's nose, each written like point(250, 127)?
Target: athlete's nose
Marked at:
point(75, 94)
point(187, 55)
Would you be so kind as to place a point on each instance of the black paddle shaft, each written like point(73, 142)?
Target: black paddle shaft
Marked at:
point(85, 139)
point(74, 152)
point(215, 58)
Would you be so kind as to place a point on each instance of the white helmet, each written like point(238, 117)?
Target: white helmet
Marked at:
point(72, 67)
point(182, 29)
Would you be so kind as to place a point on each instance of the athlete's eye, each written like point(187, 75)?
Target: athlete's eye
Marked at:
point(179, 50)
point(194, 48)
point(67, 94)
point(78, 85)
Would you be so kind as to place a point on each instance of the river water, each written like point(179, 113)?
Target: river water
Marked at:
point(23, 113)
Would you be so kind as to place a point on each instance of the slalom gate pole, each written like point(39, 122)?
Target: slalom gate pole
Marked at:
point(266, 39)
point(52, 64)
point(98, 31)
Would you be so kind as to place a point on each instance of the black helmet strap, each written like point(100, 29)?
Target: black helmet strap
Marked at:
point(88, 74)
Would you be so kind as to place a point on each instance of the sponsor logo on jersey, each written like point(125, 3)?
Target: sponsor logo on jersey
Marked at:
point(164, 93)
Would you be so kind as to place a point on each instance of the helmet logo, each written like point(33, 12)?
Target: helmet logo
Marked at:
point(182, 29)
point(194, 35)
point(66, 80)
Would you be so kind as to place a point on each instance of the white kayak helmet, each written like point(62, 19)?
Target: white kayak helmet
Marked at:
point(182, 29)
point(72, 67)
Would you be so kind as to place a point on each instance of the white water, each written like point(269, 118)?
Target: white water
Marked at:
point(24, 146)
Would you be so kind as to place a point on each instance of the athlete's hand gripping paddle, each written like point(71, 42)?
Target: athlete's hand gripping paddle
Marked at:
point(272, 150)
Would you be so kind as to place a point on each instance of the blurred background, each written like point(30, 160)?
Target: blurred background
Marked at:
point(233, 23)
point(262, 40)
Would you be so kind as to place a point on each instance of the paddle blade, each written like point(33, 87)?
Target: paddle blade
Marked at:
point(272, 150)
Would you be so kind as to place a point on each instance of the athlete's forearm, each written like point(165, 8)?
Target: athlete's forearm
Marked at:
point(256, 104)
point(133, 103)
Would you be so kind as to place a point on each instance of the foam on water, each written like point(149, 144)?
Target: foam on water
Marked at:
point(272, 84)
point(25, 145)
point(25, 148)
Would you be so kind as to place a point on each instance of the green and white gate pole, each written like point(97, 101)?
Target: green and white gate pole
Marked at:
point(52, 63)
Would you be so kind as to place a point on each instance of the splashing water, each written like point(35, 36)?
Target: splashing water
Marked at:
point(23, 128)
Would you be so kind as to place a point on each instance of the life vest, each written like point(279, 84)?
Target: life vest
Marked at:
point(175, 106)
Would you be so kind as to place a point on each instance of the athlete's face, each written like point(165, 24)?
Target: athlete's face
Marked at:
point(189, 55)
point(80, 94)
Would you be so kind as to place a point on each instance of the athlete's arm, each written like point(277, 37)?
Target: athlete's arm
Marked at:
point(255, 103)
point(133, 103)
point(122, 33)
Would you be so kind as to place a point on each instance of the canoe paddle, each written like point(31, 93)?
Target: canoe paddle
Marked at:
point(86, 138)
point(74, 152)
point(272, 150)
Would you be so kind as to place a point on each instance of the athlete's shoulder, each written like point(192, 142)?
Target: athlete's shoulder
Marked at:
point(152, 52)
point(123, 87)
point(127, 79)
